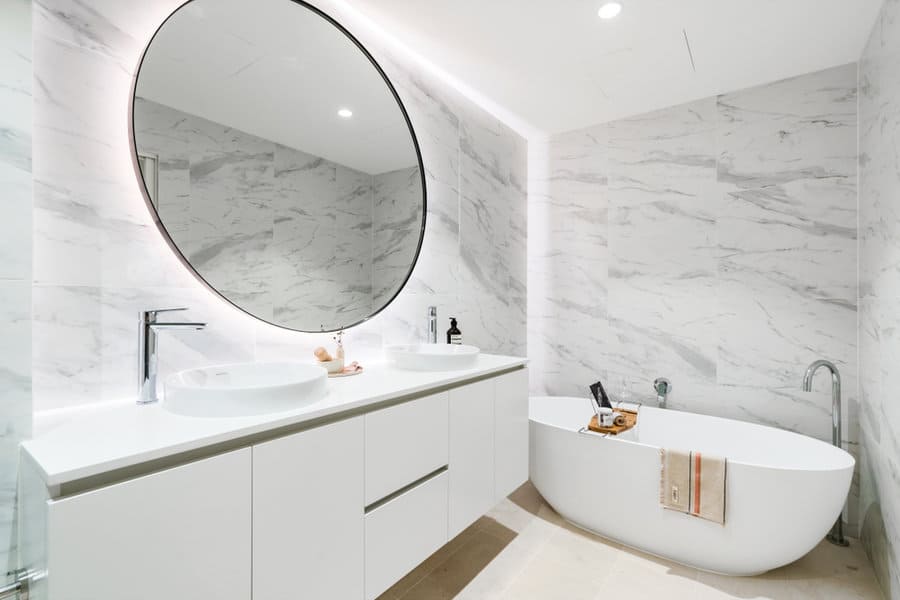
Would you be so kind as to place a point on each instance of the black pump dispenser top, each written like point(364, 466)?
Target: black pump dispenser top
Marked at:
point(454, 335)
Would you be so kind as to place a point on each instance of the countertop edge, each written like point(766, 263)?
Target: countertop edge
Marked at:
point(39, 448)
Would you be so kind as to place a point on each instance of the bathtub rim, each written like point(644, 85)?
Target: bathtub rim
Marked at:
point(757, 465)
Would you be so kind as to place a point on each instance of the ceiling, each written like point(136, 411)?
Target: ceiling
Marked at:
point(553, 65)
point(278, 71)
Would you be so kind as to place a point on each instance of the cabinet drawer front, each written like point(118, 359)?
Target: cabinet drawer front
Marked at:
point(404, 443)
point(403, 532)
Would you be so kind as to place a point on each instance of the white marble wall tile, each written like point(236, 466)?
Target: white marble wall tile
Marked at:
point(485, 213)
point(767, 337)
point(85, 233)
point(662, 271)
point(15, 140)
point(15, 404)
point(879, 115)
point(110, 28)
point(578, 165)
point(667, 154)
point(484, 209)
point(404, 320)
point(800, 237)
point(662, 288)
point(800, 128)
point(787, 235)
point(569, 252)
point(540, 314)
point(434, 115)
point(517, 249)
point(15, 261)
point(85, 339)
point(879, 275)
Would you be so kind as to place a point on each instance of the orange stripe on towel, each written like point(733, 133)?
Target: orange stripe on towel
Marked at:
point(695, 507)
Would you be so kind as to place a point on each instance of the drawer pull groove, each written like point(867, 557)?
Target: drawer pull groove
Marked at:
point(404, 489)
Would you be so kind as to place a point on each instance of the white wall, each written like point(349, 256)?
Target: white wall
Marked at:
point(98, 258)
point(879, 290)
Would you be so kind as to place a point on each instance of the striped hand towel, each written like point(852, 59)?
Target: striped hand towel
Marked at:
point(693, 483)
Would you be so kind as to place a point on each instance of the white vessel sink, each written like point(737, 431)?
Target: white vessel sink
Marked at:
point(243, 390)
point(432, 357)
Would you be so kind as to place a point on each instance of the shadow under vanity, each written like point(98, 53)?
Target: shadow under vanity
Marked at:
point(285, 175)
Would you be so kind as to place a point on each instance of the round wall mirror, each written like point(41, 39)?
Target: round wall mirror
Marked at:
point(279, 161)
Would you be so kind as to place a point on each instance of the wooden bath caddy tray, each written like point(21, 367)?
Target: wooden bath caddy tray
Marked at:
point(630, 421)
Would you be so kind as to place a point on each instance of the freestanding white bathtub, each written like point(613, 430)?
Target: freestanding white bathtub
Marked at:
point(783, 490)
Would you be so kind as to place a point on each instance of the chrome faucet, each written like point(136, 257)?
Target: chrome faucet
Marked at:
point(662, 387)
point(432, 324)
point(836, 535)
point(148, 350)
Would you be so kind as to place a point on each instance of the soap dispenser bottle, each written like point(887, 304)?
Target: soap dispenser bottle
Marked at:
point(454, 335)
point(339, 352)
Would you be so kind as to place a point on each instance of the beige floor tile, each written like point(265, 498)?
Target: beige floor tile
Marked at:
point(509, 565)
point(525, 551)
point(435, 560)
point(544, 579)
point(581, 550)
point(639, 575)
point(828, 560)
point(761, 587)
point(448, 579)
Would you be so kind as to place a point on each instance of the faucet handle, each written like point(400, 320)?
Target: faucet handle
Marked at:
point(661, 385)
point(149, 316)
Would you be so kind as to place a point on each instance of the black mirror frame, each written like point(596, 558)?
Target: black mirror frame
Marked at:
point(168, 238)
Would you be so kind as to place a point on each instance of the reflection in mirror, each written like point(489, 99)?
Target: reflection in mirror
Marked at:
point(279, 161)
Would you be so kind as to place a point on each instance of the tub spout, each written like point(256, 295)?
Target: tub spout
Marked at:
point(836, 536)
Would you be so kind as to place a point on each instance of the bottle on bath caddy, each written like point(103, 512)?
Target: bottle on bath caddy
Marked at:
point(454, 335)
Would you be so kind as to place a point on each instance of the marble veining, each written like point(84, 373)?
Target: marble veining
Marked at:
point(879, 288)
point(15, 266)
point(713, 243)
point(286, 235)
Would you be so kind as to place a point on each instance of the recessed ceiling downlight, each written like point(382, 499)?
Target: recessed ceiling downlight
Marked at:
point(610, 10)
point(345, 113)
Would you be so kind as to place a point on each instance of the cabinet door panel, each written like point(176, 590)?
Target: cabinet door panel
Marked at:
point(308, 514)
point(511, 433)
point(471, 453)
point(183, 533)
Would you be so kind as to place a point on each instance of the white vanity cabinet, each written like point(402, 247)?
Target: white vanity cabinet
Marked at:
point(308, 514)
point(179, 533)
point(342, 507)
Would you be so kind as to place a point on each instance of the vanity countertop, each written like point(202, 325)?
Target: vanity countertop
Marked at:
point(127, 435)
